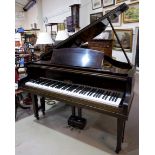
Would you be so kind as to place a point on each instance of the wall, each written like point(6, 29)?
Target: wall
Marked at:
point(19, 16)
point(56, 10)
point(33, 15)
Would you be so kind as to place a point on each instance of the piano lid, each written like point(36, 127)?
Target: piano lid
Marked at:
point(88, 32)
point(77, 57)
point(92, 30)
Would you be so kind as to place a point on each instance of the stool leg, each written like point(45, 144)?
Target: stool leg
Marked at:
point(35, 105)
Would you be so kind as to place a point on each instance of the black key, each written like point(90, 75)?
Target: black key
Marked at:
point(108, 95)
point(58, 85)
point(79, 88)
point(50, 83)
point(105, 94)
point(87, 90)
point(111, 96)
point(31, 80)
point(81, 92)
point(54, 84)
point(118, 94)
point(101, 93)
point(65, 87)
point(72, 88)
point(114, 96)
point(90, 91)
point(93, 91)
point(68, 87)
point(44, 82)
point(97, 93)
point(38, 81)
point(76, 89)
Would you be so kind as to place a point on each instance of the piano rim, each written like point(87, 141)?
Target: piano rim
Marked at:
point(118, 112)
point(85, 71)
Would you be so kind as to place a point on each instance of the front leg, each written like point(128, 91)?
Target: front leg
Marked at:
point(120, 131)
point(35, 105)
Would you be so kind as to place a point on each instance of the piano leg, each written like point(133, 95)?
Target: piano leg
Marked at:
point(123, 131)
point(120, 131)
point(35, 105)
point(42, 101)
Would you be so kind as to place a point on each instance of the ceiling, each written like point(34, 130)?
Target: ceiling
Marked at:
point(22, 3)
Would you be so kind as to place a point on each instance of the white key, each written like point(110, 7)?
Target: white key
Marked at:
point(78, 95)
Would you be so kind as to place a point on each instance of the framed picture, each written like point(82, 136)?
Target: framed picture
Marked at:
point(132, 14)
point(116, 21)
point(69, 23)
point(95, 16)
point(120, 1)
point(125, 36)
point(106, 35)
point(96, 4)
point(107, 3)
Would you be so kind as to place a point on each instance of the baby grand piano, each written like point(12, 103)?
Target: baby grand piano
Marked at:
point(78, 77)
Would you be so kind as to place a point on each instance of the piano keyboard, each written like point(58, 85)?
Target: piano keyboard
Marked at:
point(99, 95)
